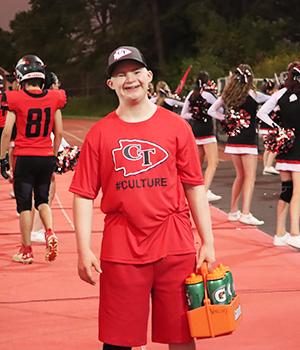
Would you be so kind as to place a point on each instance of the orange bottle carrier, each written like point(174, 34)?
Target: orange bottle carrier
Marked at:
point(214, 320)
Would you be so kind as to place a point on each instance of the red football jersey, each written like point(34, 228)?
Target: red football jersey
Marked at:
point(3, 112)
point(140, 168)
point(34, 111)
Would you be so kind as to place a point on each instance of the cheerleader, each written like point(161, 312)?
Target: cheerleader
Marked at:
point(164, 97)
point(150, 91)
point(240, 94)
point(268, 88)
point(288, 100)
point(195, 110)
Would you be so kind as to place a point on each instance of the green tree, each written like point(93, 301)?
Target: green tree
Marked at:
point(75, 37)
point(51, 30)
point(7, 51)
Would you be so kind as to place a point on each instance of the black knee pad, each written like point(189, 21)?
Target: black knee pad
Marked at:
point(23, 205)
point(286, 191)
point(37, 204)
point(23, 193)
point(115, 347)
point(38, 200)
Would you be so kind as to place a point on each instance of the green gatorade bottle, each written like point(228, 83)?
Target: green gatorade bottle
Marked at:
point(194, 289)
point(230, 285)
point(217, 287)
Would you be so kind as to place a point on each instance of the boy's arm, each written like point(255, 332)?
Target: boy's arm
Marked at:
point(82, 216)
point(196, 196)
point(58, 129)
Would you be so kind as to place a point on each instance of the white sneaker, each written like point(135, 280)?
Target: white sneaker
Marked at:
point(211, 197)
point(293, 241)
point(234, 216)
point(250, 220)
point(270, 171)
point(38, 236)
point(280, 241)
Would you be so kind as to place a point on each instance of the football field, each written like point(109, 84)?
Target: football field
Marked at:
point(46, 306)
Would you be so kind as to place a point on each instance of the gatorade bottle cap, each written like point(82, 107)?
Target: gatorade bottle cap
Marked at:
point(193, 279)
point(225, 268)
point(215, 274)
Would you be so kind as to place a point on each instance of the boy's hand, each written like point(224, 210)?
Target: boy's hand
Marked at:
point(85, 263)
point(4, 167)
point(206, 253)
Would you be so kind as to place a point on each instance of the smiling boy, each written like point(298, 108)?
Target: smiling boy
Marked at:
point(144, 159)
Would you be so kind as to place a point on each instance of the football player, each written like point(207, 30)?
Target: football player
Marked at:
point(2, 114)
point(36, 113)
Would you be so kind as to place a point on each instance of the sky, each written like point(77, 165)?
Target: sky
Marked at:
point(8, 9)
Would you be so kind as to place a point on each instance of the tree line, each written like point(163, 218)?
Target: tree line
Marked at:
point(75, 37)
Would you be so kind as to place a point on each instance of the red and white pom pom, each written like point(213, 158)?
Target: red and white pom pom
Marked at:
point(67, 159)
point(211, 86)
point(199, 109)
point(235, 121)
point(279, 140)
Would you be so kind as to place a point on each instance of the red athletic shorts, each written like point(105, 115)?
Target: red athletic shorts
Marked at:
point(125, 292)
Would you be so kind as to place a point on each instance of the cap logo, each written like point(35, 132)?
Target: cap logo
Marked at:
point(121, 53)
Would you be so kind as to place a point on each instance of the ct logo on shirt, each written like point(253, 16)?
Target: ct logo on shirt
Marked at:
point(137, 156)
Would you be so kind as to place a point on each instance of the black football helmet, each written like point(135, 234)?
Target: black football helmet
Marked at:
point(1, 81)
point(296, 73)
point(30, 67)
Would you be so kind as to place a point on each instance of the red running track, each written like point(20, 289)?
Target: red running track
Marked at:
point(46, 306)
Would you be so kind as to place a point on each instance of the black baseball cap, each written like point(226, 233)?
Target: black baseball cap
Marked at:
point(124, 53)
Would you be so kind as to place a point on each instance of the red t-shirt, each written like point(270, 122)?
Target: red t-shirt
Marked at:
point(140, 168)
point(34, 111)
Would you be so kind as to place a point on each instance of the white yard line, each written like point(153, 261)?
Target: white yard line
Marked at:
point(64, 212)
point(72, 135)
point(56, 196)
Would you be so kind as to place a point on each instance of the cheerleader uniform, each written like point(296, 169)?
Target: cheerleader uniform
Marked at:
point(169, 103)
point(264, 127)
point(246, 142)
point(289, 104)
point(203, 129)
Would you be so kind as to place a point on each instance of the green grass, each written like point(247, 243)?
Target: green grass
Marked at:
point(91, 107)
